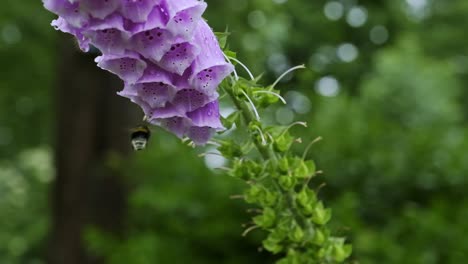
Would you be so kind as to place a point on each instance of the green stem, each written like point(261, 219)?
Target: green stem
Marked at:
point(267, 154)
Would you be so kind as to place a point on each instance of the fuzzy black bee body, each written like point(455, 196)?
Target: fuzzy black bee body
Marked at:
point(139, 137)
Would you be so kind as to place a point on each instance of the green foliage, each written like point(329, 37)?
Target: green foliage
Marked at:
point(23, 201)
point(26, 168)
point(178, 213)
point(402, 156)
point(279, 183)
point(26, 75)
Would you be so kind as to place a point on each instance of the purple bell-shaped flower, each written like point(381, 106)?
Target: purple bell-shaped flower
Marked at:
point(163, 50)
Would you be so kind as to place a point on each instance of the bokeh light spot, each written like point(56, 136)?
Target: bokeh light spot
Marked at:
point(214, 161)
point(379, 35)
point(327, 86)
point(11, 34)
point(298, 102)
point(347, 52)
point(333, 10)
point(284, 115)
point(278, 63)
point(257, 19)
point(279, 2)
point(357, 16)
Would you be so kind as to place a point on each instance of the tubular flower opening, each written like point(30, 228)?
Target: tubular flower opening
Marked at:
point(163, 50)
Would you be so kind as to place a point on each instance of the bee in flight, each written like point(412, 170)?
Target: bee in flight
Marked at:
point(139, 137)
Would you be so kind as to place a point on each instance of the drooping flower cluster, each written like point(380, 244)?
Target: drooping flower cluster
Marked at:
point(166, 54)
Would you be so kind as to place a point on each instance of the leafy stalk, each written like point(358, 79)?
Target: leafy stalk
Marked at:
point(278, 182)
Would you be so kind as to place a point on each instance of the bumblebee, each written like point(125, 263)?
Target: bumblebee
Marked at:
point(139, 137)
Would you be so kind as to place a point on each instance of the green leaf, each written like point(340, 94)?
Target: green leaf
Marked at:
point(321, 215)
point(293, 257)
point(264, 100)
point(230, 149)
point(306, 198)
point(260, 195)
point(230, 54)
point(252, 195)
point(310, 164)
point(244, 169)
point(266, 219)
point(341, 252)
point(269, 198)
point(222, 38)
point(283, 142)
point(297, 234)
point(283, 164)
point(232, 119)
point(319, 237)
point(304, 169)
point(237, 170)
point(287, 182)
point(272, 242)
point(272, 246)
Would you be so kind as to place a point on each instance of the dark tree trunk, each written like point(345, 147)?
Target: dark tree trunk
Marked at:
point(91, 127)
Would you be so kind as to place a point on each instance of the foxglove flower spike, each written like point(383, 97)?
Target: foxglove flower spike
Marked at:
point(163, 50)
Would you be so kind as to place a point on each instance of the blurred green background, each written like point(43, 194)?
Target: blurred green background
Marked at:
point(385, 87)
